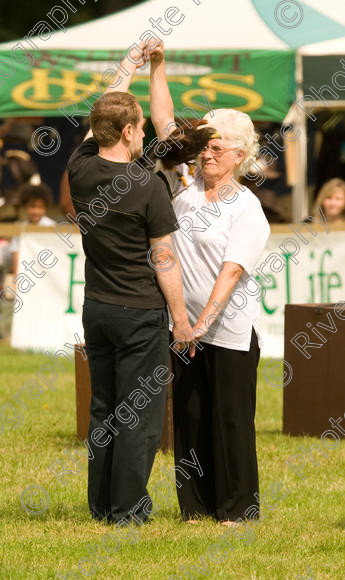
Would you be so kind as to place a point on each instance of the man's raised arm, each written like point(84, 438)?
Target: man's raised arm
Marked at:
point(161, 104)
point(121, 81)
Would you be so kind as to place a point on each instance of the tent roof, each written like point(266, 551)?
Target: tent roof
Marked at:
point(330, 47)
point(213, 24)
point(336, 45)
point(304, 22)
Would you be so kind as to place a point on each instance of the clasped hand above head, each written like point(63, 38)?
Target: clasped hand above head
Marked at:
point(154, 55)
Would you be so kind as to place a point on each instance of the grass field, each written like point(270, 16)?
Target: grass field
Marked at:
point(304, 536)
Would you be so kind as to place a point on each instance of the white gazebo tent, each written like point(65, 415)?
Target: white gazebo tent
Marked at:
point(207, 24)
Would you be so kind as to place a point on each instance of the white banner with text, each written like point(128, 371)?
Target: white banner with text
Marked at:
point(49, 293)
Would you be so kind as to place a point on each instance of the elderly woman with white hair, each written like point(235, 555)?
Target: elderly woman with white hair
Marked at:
point(223, 232)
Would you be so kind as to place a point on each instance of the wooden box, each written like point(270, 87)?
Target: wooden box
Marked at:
point(316, 392)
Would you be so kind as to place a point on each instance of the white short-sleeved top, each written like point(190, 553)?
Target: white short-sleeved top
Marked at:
point(238, 232)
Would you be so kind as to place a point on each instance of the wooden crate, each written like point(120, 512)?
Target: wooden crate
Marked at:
point(317, 390)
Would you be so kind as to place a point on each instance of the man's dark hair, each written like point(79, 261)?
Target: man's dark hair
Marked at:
point(29, 192)
point(110, 115)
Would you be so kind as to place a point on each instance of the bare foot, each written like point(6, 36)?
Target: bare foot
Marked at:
point(192, 522)
point(228, 523)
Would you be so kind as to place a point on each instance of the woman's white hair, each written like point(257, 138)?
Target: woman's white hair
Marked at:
point(236, 127)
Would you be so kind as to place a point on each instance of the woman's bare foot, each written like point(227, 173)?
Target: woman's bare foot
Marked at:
point(192, 522)
point(228, 523)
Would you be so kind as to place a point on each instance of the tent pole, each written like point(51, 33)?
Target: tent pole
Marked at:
point(300, 193)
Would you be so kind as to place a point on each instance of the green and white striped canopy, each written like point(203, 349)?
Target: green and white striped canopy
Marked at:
point(242, 54)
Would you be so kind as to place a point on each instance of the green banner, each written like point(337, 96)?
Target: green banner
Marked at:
point(260, 83)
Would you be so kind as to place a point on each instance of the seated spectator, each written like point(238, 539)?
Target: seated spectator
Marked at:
point(34, 200)
point(16, 170)
point(331, 198)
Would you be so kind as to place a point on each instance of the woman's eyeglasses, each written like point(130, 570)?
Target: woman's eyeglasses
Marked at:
point(216, 151)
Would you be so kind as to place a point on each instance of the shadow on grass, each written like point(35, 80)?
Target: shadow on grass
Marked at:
point(66, 439)
point(76, 513)
point(341, 524)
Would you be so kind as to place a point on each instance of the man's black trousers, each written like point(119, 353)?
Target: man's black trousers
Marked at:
point(122, 345)
point(214, 410)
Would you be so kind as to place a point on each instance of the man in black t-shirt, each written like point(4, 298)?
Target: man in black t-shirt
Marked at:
point(123, 211)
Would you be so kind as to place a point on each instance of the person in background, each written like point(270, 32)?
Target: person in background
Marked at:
point(16, 170)
point(331, 198)
point(34, 201)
